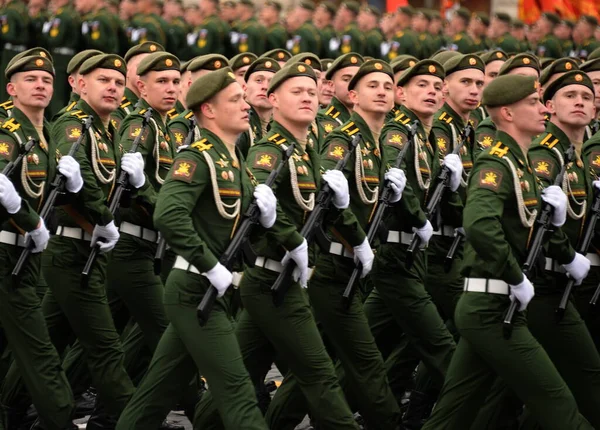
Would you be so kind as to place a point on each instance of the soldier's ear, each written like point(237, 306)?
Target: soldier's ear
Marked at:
point(353, 96)
point(273, 100)
point(140, 85)
point(551, 108)
point(207, 110)
point(400, 93)
point(506, 114)
point(10, 89)
point(81, 84)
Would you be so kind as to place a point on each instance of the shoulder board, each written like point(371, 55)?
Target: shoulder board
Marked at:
point(402, 118)
point(189, 115)
point(350, 129)
point(172, 113)
point(70, 107)
point(331, 111)
point(550, 141)
point(125, 103)
point(11, 125)
point(445, 117)
point(143, 111)
point(8, 104)
point(499, 150)
point(79, 114)
point(201, 145)
point(277, 139)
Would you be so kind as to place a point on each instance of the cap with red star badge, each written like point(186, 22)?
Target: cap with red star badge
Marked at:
point(262, 65)
point(519, 60)
point(80, 58)
point(207, 86)
point(575, 77)
point(104, 61)
point(26, 64)
point(423, 67)
point(368, 67)
point(308, 58)
point(509, 89)
point(556, 68)
point(143, 48)
point(158, 62)
point(278, 54)
point(463, 62)
point(351, 59)
point(293, 70)
point(242, 60)
point(208, 62)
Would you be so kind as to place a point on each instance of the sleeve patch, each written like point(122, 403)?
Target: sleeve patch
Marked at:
point(395, 138)
point(595, 160)
point(542, 167)
point(442, 144)
point(490, 179)
point(6, 149)
point(179, 135)
point(485, 141)
point(183, 170)
point(135, 130)
point(73, 132)
point(116, 122)
point(328, 126)
point(335, 151)
point(264, 160)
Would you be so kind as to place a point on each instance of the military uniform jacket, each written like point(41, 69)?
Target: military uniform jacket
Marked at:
point(200, 204)
point(334, 115)
point(478, 115)
point(14, 27)
point(180, 128)
point(32, 177)
point(305, 39)
point(127, 106)
point(149, 28)
point(6, 108)
point(462, 43)
point(276, 37)
point(508, 43)
point(403, 43)
point(73, 99)
point(393, 113)
point(99, 33)
point(373, 41)
point(62, 31)
point(158, 149)
point(349, 40)
point(504, 200)
point(485, 134)
point(582, 51)
point(328, 37)
point(208, 38)
point(591, 129)
point(99, 161)
point(248, 138)
point(249, 37)
point(549, 46)
point(177, 31)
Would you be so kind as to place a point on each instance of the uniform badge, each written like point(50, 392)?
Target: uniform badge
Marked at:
point(164, 146)
point(73, 133)
point(223, 163)
point(6, 150)
point(335, 152)
point(235, 164)
point(525, 186)
point(178, 138)
point(183, 170)
point(224, 175)
point(264, 160)
point(103, 147)
point(490, 179)
point(542, 168)
point(365, 152)
point(595, 159)
point(442, 144)
point(486, 142)
point(573, 177)
point(328, 127)
point(33, 158)
point(396, 139)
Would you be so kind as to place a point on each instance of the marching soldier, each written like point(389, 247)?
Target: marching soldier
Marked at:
point(341, 72)
point(564, 32)
point(14, 34)
point(213, 172)
point(518, 32)
point(323, 21)
point(368, 23)
point(29, 84)
point(240, 64)
point(503, 182)
point(585, 32)
point(420, 25)
point(399, 65)
point(211, 36)
point(148, 25)
point(548, 45)
point(493, 61)
point(350, 38)
point(555, 70)
point(177, 27)
point(460, 40)
point(592, 68)
point(478, 29)
point(404, 40)
point(435, 30)
point(305, 37)
point(327, 91)
point(504, 41)
point(276, 35)
point(249, 35)
point(97, 29)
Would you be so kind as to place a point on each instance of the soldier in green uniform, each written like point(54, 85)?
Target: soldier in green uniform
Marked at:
point(478, 30)
point(585, 32)
point(592, 68)
point(150, 26)
point(97, 29)
point(327, 91)
point(368, 23)
point(349, 36)
point(211, 173)
point(460, 41)
point(564, 32)
point(131, 96)
point(73, 79)
point(518, 32)
point(249, 35)
point(280, 55)
point(289, 331)
point(240, 64)
point(178, 29)
point(30, 86)
point(341, 73)
point(399, 65)
point(14, 34)
point(493, 61)
point(555, 70)
point(501, 24)
point(372, 90)
point(403, 40)
point(62, 33)
point(305, 37)
point(420, 25)
point(276, 35)
point(435, 30)
point(323, 21)
point(548, 45)
point(497, 240)
point(210, 37)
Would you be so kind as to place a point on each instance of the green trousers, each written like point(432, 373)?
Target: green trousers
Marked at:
point(347, 329)
point(483, 353)
point(288, 332)
point(26, 331)
point(185, 349)
point(72, 310)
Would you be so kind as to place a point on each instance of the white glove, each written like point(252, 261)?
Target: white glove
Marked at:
point(40, 237)
point(596, 185)
point(555, 197)
point(523, 292)
point(267, 203)
point(364, 254)
point(397, 180)
point(133, 164)
point(300, 257)
point(220, 278)
point(339, 185)
point(424, 233)
point(9, 198)
point(70, 170)
point(578, 268)
point(105, 236)
point(452, 161)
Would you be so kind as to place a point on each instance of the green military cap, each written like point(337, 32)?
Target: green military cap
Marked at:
point(372, 9)
point(463, 62)
point(403, 62)
point(143, 48)
point(352, 6)
point(229, 3)
point(275, 4)
point(278, 54)
point(207, 86)
point(291, 70)
point(423, 67)
point(158, 62)
point(308, 58)
point(208, 62)
point(328, 6)
point(520, 60)
point(262, 65)
point(591, 65)
point(594, 54)
point(508, 89)
point(576, 60)
point(463, 12)
point(575, 77)
point(29, 63)
point(351, 59)
point(552, 17)
point(504, 17)
point(545, 62)
point(443, 56)
point(242, 60)
point(407, 10)
point(184, 65)
point(589, 19)
point(517, 23)
point(495, 55)
point(307, 4)
point(247, 3)
point(79, 58)
point(31, 52)
point(368, 67)
point(562, 65)
point(483, 18)
point(103, 61)
point(326, 63)
point(568, 23)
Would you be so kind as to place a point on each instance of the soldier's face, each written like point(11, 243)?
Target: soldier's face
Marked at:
point(374, 93)
point(326, 92)
point(239, 75)
point(595, 77)
point(31, 89)
point(229, 110)
point(491, 71)
point(132, 76)
point(296, 100)
point(103, 90)
point(160, 89)
point(465, 89)
point(256, 89)
point(424, 94)
point(341, 79)
point(572, 105)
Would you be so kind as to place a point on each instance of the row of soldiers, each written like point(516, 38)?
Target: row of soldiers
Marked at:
point(196, 143)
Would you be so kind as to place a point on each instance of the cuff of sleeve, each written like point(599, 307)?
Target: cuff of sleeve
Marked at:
point(513, 274)
point(567, 257)
point(421, 219)
point(26, 218)
point(204, 264)
point(105, 217)
point(293, 241)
